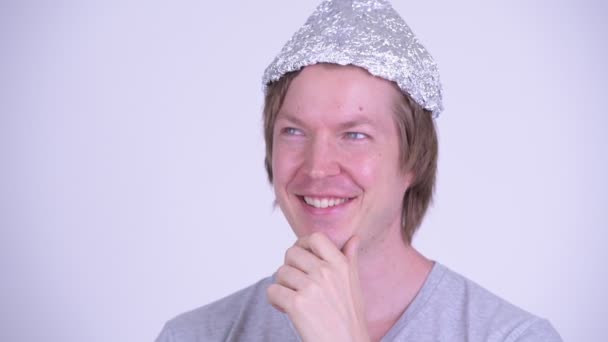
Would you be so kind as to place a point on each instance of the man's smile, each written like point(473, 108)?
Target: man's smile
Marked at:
point(324, 202)
point(324, 205)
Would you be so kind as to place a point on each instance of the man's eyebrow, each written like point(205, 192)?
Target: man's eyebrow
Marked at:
point(352, 122)
point(290, 118)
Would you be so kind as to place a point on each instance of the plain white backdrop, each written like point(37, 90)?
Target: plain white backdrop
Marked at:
point(132, 185)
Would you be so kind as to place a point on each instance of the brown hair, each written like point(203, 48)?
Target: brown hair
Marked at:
point(418, 149)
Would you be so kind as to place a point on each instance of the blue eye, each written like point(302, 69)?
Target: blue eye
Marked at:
point(291, 131)
point(355, 135)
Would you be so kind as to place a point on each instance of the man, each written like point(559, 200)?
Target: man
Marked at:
point(351, 151)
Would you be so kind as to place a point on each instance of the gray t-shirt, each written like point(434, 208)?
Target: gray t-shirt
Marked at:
point(448, 307)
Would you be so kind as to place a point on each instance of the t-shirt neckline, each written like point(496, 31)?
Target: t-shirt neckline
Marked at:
point(422, 297)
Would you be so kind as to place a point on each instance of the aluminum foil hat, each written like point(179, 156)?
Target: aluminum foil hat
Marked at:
point(366, 33)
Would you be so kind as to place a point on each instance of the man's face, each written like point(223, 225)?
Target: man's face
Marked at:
point(335, 155)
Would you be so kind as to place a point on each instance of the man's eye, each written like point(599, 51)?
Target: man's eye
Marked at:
point(291, 131)
point(355, 135)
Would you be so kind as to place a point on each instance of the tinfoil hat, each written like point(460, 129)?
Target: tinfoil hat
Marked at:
point(366, 33)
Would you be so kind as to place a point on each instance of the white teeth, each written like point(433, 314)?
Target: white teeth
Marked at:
point(323, 202)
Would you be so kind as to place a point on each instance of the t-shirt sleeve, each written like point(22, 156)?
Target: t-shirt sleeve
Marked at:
point(539, 331)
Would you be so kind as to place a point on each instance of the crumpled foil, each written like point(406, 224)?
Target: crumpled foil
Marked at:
point(369, 34)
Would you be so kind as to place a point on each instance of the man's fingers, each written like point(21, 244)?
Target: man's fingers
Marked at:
point(280, 296)
point(301, 259)
point(321, 246)
point(292, 278)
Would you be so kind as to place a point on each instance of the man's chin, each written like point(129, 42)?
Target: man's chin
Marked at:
point(337, 236)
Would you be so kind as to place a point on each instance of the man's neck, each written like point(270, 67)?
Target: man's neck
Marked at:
point(391, 274)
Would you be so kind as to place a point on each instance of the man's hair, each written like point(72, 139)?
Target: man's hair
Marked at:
point(418, 149)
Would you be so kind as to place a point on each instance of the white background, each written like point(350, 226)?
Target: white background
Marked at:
point(132, 185)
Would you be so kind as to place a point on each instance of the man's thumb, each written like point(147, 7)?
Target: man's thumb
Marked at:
point(351, 249)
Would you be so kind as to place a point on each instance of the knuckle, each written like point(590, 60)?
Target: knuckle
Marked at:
point(271, 291)
point(325, 271)
point(288, 253)
point(281, 271)
point(298, 303)
point(316, 237)
point(291, 253)
point(312, 289)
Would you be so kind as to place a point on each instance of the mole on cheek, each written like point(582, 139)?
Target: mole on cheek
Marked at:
point(360, 108)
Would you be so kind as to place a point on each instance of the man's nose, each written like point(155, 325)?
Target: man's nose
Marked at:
point(321, 159)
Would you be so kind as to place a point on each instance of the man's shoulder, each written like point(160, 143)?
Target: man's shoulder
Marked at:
point(223, 318)
point(470, 294)
point(486, 315)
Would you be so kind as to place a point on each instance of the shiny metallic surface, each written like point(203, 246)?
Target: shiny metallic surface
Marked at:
point(369, 34)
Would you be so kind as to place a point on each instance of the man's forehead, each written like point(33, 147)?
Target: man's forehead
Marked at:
point(346, 90)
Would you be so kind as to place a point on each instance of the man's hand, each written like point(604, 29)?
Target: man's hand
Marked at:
point(318, 287)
